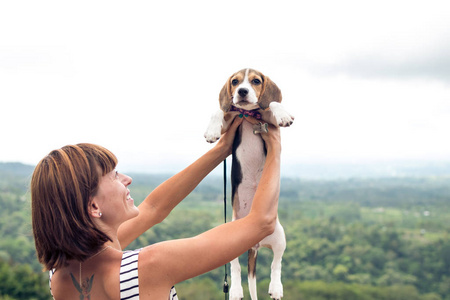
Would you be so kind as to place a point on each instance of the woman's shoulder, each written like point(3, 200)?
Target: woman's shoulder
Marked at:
point(154, 277)
point(149, 260)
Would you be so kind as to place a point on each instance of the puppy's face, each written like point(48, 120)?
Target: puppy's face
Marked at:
point(246, 86)
point(248, 89)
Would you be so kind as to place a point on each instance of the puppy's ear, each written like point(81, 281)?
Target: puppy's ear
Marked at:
point(225, 97)
point(270, 93)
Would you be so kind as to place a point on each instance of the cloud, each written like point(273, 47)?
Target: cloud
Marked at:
point(123, 66)
point(430, 62)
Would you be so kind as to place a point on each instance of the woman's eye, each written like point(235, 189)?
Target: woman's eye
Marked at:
point(234, 82)
point(256, 81)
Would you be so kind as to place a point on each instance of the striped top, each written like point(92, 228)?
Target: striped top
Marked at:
point(50, 274)
point(129, 277)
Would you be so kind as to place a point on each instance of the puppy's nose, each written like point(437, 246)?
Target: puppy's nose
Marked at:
point(243, 92)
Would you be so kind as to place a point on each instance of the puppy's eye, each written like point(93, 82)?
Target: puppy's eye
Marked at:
point(256, 81)
point(234, 82)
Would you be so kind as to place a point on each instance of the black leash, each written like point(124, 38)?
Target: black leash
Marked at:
point(225, 283)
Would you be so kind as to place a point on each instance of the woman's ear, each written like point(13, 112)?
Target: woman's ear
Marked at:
point(225, 97)
point(270, 93)
point(94, 209)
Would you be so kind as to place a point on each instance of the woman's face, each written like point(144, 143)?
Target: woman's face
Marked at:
point(113, 198)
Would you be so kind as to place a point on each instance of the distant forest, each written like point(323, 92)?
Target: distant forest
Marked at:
point(355, 238)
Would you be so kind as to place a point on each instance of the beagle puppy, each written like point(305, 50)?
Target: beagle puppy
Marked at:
point(250, 93)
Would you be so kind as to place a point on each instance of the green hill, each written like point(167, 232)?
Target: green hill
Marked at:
point(372, 238)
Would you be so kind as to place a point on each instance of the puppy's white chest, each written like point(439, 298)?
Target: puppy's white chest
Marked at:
point(251, 156)
point(250, 153)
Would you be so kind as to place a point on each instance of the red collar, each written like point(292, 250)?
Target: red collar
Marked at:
point(252, 113)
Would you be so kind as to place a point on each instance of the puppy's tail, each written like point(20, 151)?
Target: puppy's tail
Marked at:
point(252, 255)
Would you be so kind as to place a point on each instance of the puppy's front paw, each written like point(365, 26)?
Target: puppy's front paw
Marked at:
point(285, 119)
point(282, 117)
point(212, 135)
point(214, 129)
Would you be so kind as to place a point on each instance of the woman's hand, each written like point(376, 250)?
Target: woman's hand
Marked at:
point(227, 139)
point(272, 138)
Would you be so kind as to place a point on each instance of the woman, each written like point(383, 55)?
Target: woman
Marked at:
point(83, 216)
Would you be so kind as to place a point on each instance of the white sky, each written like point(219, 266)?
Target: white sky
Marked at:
point(366, 80)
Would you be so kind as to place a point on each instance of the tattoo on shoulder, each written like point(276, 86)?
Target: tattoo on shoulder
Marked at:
point(84, 287)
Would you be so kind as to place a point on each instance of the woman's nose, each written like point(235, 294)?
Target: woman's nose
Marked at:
point(127, 180)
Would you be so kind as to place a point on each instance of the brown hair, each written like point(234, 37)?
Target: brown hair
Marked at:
point(61, 189)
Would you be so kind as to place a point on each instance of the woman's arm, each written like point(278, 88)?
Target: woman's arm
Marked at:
point(160, 202)
point(168, 263)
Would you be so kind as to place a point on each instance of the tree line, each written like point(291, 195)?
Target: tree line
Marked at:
point(381, 238)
